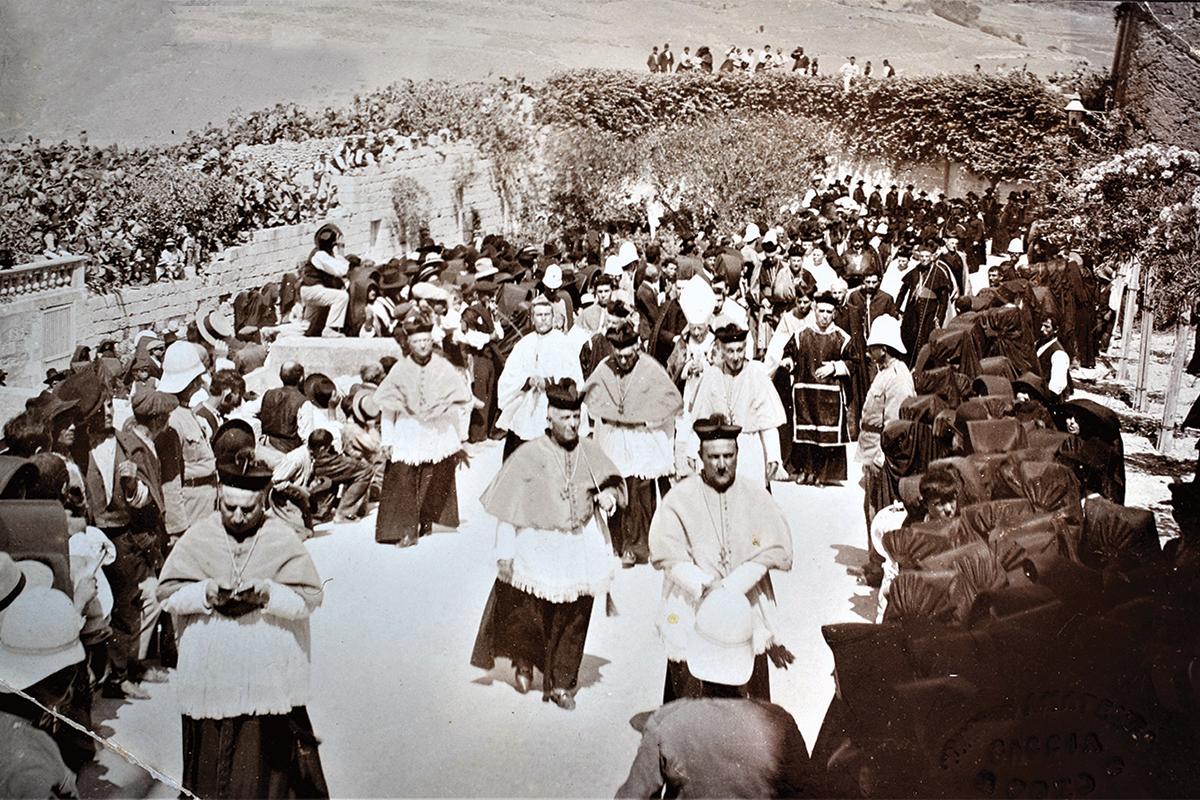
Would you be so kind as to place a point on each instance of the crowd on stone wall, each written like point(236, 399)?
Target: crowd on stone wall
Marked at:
point(737, 59)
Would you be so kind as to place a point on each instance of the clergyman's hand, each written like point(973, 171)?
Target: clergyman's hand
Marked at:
point(780, 656)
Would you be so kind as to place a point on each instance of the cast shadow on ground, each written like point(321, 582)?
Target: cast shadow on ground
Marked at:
point(849, 556)
point(589, 673)
point(94, 777)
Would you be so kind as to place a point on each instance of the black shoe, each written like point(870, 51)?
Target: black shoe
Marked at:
point(628, 560)
point(524, 679)
point(563, 699)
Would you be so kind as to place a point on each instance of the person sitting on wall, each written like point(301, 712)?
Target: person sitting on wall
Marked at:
point(322, 284)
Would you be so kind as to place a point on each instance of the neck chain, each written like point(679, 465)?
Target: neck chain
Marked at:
point(719, 530)
point(238, 572)
point(568, 471)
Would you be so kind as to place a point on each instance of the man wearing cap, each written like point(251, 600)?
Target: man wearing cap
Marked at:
point(892, 385)
point(40, 654)
point(240, 587)
point(322, 283)
point(721, 744)
point(196, 495)
point(549, 499)
point(542, 355)
point(816, 359)
point(421, 402)
point(716, 530)
point(635, 404)
point(482, 331)
point(170, 262)
point(740, 389)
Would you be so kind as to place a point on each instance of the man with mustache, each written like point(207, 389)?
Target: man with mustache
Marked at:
point(718, 530)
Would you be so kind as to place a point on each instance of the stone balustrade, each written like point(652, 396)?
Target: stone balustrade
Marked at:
point(41, 276)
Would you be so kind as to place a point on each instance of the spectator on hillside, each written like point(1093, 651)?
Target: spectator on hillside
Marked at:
point(849, 72)
point(889, 71)
point(666, 59)
point(652, 61)
point(800, 61)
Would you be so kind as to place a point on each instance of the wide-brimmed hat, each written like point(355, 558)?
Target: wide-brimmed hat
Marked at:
point(181, 365)
point(1034, 386)
point(214, 326)
point(325, 231)
point(721, 647)
point(363, 407)
point(485, 268)
point(39, 635)
point(885, 330)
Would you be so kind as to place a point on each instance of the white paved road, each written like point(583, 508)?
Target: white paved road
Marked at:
point(402, 713)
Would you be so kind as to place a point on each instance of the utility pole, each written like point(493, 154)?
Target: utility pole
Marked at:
point(1166, 433)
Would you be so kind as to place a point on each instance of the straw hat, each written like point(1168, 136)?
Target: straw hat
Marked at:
point(39, 635)
point(886, 331)
point(181, 365)
point(721, 648)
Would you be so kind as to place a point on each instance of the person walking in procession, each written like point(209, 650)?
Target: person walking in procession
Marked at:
point(635, 405)
point(551, 500)
point(718, 530)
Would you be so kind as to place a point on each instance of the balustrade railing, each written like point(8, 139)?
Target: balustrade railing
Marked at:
point(41, 276)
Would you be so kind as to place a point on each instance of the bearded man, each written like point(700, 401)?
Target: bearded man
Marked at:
point(718, 530)
point(740, 390)
point(635, 405)
point(421, 402)
point(553, 558)
point(543, 355)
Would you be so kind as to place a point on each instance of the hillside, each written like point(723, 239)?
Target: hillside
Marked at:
point(140, 71)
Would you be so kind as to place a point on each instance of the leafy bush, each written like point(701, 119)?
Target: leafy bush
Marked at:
point(1003, 127)
point(721, 170)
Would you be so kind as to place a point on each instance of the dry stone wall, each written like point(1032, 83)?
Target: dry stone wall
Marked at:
point(454, 177)
point(1158, 71)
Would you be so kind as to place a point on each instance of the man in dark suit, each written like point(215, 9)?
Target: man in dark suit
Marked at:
point(646, 303)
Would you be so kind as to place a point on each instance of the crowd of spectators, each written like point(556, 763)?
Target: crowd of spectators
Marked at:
point(736, 59)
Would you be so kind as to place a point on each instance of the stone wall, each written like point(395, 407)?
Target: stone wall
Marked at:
point(43, 309)
point(954, 179)
point(1156, 70)
point(453, 176)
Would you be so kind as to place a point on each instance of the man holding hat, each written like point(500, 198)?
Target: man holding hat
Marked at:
point(241, 586)
point(553, 559)
point(740, 389)
point(721, 744)
point(196, 494)
point(635, 404)
point(540, 356)
point(718, 530)
point(421, 402)
point(40, 653)
point(892, 385)
point(322, 283)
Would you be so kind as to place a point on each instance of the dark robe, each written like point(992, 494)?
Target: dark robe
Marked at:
point(819, 429)
point(924, 297)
